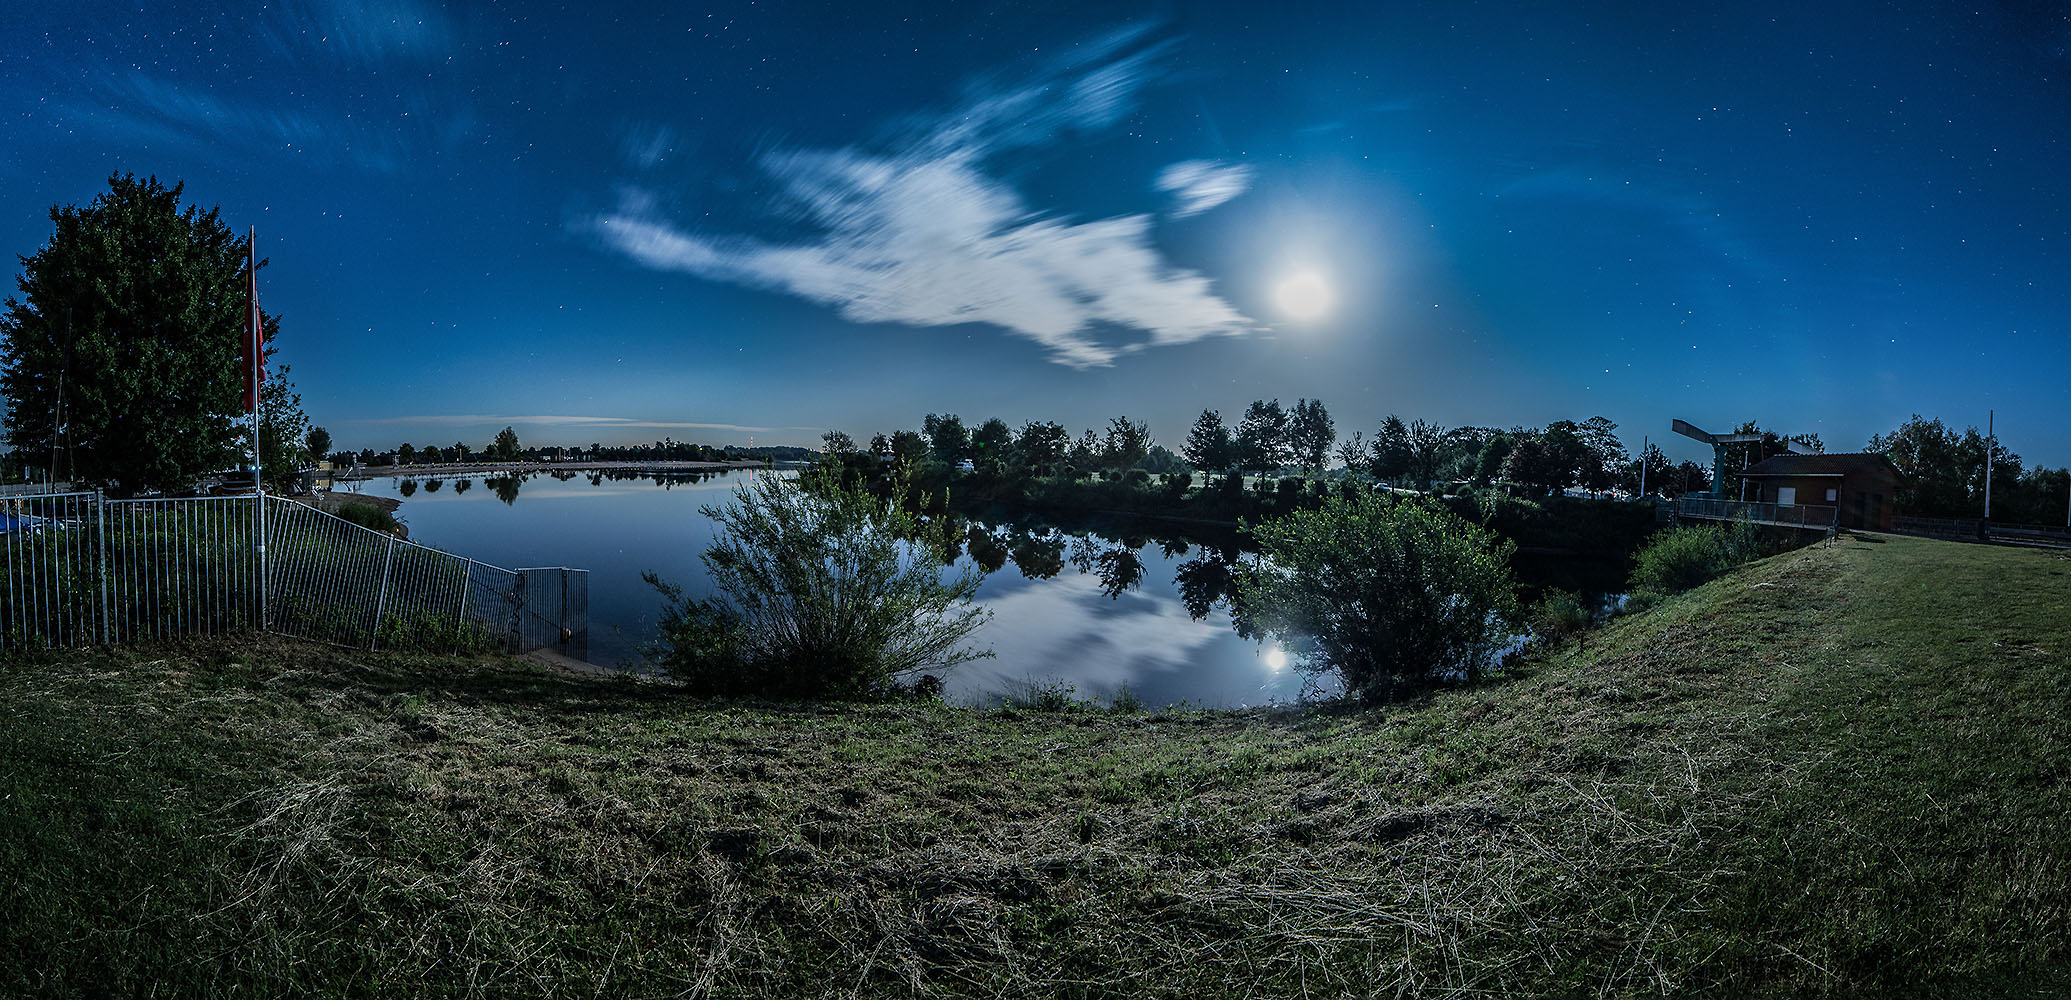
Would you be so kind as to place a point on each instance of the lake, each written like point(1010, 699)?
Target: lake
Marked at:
point(1092, 609)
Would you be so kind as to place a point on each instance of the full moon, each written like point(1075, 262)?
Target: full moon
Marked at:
point(1303, 296)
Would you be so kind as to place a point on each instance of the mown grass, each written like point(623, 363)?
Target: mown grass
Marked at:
point(1839, 771)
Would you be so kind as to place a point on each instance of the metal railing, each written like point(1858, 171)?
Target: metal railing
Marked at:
point(1940, 527)
point(176, 567)
point(1785, 514)
point(81, 569)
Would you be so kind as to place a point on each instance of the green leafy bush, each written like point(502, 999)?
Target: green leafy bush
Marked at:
point(1559, 615)
point(1682, 558)
point(1385, 591)
point(368, 516)
point(823, 590)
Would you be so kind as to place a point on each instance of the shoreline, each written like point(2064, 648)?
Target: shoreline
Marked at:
point(445, 469)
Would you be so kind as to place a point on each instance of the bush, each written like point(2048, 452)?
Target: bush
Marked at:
point(1384, 591)
point(1558, 615)
point(368, 516)
point(1682, 558)
point(823, 590)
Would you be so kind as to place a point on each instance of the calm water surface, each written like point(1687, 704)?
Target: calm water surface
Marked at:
point(1092, 610)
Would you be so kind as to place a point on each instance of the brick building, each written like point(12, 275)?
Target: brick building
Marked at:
point(1861, 484)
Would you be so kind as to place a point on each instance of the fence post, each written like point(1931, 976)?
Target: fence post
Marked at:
point(381, 603)
point(100, 512)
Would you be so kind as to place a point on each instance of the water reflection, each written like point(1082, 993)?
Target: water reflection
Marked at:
point(506, 487)
point(1092, 605)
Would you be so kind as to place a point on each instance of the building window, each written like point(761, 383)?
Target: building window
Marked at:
point(1833, 495)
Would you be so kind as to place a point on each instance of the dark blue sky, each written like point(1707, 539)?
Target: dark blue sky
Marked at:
point(714, 221)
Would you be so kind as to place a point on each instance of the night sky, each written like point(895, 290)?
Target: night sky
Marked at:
point(712, 222)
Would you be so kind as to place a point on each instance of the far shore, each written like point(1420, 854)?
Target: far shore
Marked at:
point(446, 469)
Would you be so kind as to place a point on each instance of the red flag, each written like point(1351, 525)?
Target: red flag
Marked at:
point(254, 329)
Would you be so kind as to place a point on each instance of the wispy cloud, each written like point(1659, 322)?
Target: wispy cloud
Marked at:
point(919, 232)
point(645, 146)
point(1200, 185)
point(144, 108)
point(362, 31)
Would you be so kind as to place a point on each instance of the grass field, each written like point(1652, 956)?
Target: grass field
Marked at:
point(1839, 771)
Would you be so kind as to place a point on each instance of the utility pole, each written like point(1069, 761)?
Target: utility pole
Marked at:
point(1643, 465)
point(1991, 443)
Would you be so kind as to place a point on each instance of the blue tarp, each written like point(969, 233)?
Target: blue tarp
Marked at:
point(12, 524)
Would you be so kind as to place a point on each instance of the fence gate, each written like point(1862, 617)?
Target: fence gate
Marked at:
point(80, 569)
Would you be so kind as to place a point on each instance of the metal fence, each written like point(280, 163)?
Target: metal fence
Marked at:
point(1785, 514)
point(81, 569)
point(1940, 527)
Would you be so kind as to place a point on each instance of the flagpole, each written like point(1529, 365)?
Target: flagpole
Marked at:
point(256, 338)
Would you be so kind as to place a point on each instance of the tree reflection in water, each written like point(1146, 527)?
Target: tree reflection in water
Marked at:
point(506, 487)
point(1205, 580)
point(1118, 563)
point(987, 550)
point(1038, 557)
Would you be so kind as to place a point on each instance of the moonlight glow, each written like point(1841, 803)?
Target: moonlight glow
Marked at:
point(1303, 296)
point(1275, 659)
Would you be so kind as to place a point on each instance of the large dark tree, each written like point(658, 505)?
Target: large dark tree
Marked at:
point(1426, 448)
point(1489, 464)
point(1127, 443)
point(1208, 444)
point(1040, 447)
point(908, 447)
point(1310, 433)
point(948, 437)
point(1543, 463)
point(1262, 443)
point(1392, 459)
point(990, 444)
point(1607, 455)
point(1945, 472)
point(121, 358)
point(1652, 470)
point(319, 443)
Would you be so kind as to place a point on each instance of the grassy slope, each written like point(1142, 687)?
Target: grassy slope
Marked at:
point(1841, 770)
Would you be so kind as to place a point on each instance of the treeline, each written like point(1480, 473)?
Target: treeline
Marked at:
point(1945, 474)
point(506, 448)
point(1271, 439)
point(1268, 467)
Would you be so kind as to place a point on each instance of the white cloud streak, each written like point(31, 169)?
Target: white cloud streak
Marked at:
point(922, 234)
point(1199, 185)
